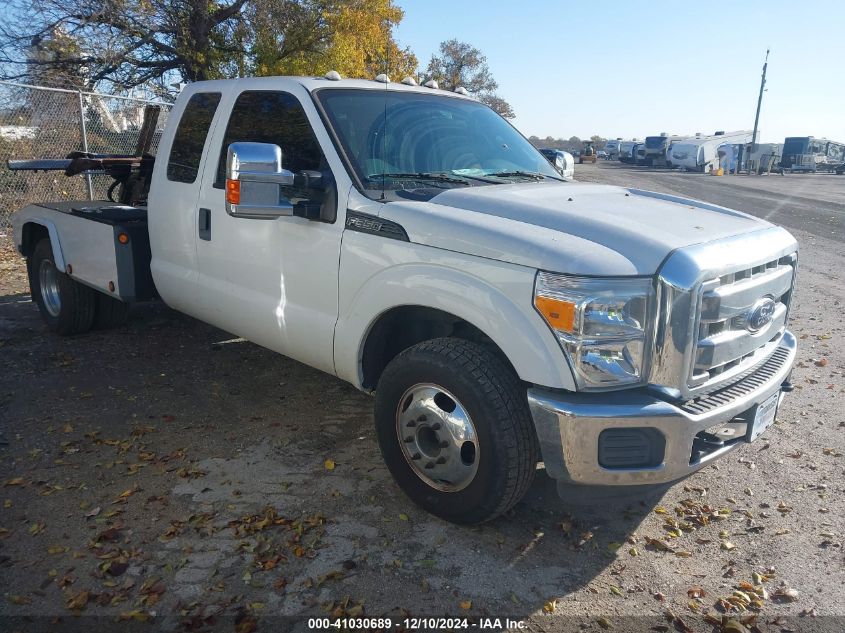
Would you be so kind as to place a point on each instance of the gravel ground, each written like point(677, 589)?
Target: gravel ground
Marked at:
point(171, 477)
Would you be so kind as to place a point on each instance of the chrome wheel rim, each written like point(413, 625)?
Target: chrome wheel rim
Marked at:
point(48, 280)
point(438, 438)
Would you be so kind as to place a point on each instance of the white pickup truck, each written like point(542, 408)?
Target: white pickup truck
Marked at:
point(411, 242)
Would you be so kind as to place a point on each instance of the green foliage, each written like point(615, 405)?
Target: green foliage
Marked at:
point(462, 65)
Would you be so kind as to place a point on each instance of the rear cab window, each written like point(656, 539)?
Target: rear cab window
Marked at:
point(188, 141)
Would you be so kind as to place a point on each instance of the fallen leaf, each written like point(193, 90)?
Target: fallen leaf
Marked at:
point(728, 546)
point(787, 595)
point(696, 592)
point(658, 544)
point(604, 623)
point(550, 606)
point(92, 513)
point(329, 464)
point(466, 605)
point(77, 602)
point(733, 626)
point(135, 614)
point(403, 517)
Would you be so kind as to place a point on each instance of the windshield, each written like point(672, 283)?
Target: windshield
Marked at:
point(654, 142)
point(428, 142)
point(796, 145)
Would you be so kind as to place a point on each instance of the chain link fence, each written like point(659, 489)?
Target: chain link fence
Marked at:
point(39, 122)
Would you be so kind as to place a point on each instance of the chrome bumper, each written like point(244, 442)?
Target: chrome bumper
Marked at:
point(569, 424)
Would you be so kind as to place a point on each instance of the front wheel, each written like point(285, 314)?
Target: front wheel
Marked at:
point(455, 431)
point(66, 305)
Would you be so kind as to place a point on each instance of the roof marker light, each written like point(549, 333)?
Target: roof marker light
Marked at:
point(462, 91)
point(431, 83)
point(382, 79)
point(409, 81)
point(333, 75)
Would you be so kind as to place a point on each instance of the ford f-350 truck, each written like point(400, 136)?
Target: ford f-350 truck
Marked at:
point(411, 242)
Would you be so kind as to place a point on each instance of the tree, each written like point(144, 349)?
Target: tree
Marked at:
point(52, 60)
point(598, 141)
point(498, 104)
point(153, 43)
point(352, 37)
point(462, 65)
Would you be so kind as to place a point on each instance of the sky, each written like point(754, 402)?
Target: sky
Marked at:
point(634, 69)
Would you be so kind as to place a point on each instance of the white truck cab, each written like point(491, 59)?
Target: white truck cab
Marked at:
point(411, 242)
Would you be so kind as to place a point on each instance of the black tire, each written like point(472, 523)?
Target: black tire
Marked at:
point(497, 404)
point(110, 312)
point(74, 313)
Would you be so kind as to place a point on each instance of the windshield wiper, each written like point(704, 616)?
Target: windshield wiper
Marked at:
point(518, 174)
point(421, 176)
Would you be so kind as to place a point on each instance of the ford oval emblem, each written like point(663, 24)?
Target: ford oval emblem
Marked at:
point(760, 315)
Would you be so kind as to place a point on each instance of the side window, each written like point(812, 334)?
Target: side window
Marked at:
point(271, 117)
point(186, 153)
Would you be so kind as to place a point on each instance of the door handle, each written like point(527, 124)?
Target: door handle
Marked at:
point(205, 224)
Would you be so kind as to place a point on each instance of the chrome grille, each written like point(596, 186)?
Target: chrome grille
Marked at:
point(725, 345)
point(747, 382)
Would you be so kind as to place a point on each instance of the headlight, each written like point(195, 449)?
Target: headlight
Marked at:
point(602, 325)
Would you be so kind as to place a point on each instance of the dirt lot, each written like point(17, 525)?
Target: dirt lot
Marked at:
point(172, 477)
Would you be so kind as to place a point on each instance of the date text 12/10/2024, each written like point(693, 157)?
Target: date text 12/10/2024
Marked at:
point(428, 624)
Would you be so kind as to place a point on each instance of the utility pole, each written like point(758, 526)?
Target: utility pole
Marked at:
point(757, 116)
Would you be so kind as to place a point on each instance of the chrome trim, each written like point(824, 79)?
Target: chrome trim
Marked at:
point(688, 276)
point(568, 426)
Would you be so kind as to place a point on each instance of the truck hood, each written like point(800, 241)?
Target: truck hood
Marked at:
point(567, 227)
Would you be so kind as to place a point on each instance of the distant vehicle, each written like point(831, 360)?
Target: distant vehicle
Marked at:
point(612, 148)
point(700, 152)
point(635, 151)
point(639, 154)
point(656, 148)
point(809, 154)
point(840, 169)
point(601, 154)
point(588, 155)
point(764, 158)
point(562, 161)
point(626, 151)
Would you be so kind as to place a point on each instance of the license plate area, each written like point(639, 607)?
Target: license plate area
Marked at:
point(764, 416)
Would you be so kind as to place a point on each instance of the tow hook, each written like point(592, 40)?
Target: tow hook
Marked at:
point(787, 386)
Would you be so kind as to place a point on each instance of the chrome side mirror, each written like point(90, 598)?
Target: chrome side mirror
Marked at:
point(254, 178)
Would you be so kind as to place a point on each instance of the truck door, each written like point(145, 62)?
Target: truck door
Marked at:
point(173, 199)
point(272, 281)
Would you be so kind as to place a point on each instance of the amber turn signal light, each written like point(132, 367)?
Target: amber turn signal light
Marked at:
point(123, 238)
point(233, 191)
point(558, 314)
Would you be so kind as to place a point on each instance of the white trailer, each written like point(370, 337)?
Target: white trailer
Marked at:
point(700, 152)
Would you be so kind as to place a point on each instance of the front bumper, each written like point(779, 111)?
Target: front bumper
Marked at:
point(684, 436)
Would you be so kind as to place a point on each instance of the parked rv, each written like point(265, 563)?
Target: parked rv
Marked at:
point(612, 148)
point(655, 149)
point(809, 154)
point(700, 153)
point(626, 151)
point(764, 157)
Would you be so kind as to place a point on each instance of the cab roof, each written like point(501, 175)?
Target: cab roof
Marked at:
point(315, 83)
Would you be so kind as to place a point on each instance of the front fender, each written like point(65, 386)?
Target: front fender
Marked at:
point(33, 214)
point(495, 297)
